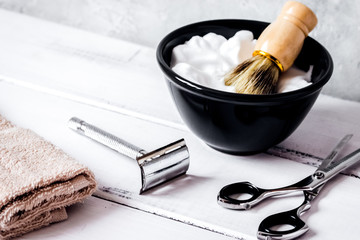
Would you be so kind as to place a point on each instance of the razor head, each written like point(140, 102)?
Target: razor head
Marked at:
point(163, 164)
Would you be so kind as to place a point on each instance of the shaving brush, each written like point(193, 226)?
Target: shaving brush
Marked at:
point(275, 51)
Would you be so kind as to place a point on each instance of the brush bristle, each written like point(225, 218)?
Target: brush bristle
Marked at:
point(257, 75)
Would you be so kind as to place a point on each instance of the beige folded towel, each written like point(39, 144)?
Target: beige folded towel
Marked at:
point(37, 181)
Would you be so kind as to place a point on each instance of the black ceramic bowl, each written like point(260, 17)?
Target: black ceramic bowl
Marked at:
point(241, 123)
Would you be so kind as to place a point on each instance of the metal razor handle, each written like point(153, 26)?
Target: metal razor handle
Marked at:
point(157, 166)
point(105, 138)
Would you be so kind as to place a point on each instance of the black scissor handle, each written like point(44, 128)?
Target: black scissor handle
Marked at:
point(226, 200)
point(295, 227)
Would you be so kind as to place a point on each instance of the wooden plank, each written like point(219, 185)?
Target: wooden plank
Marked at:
point(99, 219)
point(48, 115)
point(190, 199)
point(104, 72)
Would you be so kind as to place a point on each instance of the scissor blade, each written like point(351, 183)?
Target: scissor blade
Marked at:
point(335, 152)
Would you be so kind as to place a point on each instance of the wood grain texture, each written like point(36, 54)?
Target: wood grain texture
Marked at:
point(99, 219)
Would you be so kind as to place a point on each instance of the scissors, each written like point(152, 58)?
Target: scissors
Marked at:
point(309, 186)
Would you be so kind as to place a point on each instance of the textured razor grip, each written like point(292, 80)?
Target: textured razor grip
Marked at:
point(105, 138)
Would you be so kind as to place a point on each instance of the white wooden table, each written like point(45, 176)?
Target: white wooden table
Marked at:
point(50, 73)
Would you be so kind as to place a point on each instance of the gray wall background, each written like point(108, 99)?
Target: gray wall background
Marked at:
point(147, 21)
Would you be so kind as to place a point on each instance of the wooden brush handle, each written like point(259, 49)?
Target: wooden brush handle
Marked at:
point(284, 38)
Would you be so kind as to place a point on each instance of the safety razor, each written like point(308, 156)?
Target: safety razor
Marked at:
point(157, 167)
